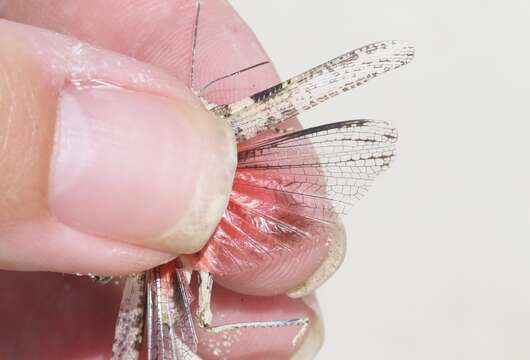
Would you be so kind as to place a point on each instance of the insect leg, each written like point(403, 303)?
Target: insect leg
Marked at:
point(205, 316)
point(199, 93)
point(194, 45)
point(193, 71)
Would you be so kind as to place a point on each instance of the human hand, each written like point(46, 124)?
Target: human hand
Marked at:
point(104, 181)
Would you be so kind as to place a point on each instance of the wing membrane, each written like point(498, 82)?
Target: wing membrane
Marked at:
point(130, 323)
point(171, 333)
point(267, 108)
point(320, 171)
point(288, 192)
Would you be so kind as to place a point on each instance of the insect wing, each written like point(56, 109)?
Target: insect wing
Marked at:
point(321, 171)
point(288, 192)
point(171, 332)
point(269, 107)
point(130, 323)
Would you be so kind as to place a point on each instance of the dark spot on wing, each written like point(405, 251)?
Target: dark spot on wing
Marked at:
point(257, 97)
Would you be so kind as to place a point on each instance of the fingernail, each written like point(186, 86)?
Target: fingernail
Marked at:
point(336, 251)
point(140, 168)
point(314, 338)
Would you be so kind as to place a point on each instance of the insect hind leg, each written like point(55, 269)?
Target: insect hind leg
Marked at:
point(194, 44)
point(235, 73)
point(204, 314)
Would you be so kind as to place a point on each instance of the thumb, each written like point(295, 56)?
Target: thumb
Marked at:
point(102, 178)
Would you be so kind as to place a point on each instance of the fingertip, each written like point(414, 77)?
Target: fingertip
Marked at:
point(136, 162)
point(336, 251)
point(314, 338)
point(46, 245)
point(139, 168)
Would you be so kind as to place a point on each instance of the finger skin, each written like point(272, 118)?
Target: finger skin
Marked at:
point(35, 65)
point(34, 306)
point(54, 316)
point(160, 33)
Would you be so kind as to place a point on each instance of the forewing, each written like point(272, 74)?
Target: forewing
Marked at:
point(171, 332)
point(319, 172)
point(267, 108)
point(130, 323)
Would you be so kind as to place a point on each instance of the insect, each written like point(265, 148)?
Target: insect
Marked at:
point(287, 189)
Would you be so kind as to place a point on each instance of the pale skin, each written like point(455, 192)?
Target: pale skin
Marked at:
point(80, 313)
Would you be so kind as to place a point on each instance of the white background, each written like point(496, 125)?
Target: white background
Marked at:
point(439, 251)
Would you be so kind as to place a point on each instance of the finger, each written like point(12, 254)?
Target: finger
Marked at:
point(85, 312)
point(54, 316)
point(95, 175)
point(160, 33)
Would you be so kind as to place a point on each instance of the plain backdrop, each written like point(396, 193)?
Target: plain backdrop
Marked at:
point(439, 251)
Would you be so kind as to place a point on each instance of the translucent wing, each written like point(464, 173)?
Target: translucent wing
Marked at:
point(171, 332)
point(130, 323)
point(265, 109)
point(320, 171)
point(289, 190)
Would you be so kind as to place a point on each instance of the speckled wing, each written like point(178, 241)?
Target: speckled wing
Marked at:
point(269, 107)
point(171, 332)
point(130, 323)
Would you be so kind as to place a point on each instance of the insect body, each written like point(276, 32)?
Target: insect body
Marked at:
point(288, 189)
